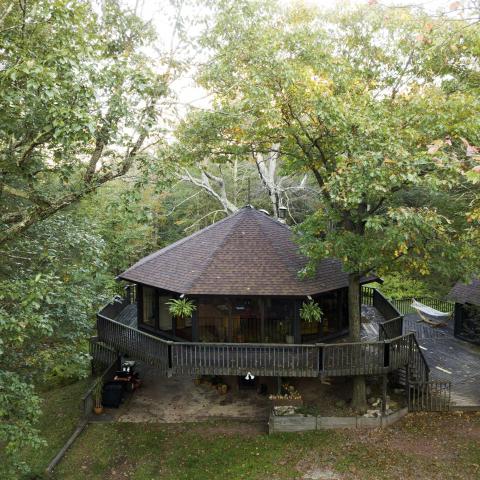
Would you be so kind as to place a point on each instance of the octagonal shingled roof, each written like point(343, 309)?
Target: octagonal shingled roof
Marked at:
point(247, 253)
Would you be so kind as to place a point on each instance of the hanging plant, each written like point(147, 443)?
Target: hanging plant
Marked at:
point(311, 312)
point(181, 307)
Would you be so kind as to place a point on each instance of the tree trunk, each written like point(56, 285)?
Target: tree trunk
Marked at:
point(359, 396)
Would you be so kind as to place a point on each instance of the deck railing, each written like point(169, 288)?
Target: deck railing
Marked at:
point(372, 296)
point(391, 328)
point(384, 306)
point(362, 358)
point(366, 295)
point(102, 355)
point(431, 396)
point(418, 369)
point(404, 305)
point(306, 360)
point(240, 358)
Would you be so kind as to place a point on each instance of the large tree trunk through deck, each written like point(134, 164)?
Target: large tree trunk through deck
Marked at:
point(359, 396)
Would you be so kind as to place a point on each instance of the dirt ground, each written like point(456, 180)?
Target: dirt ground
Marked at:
point(179, 399)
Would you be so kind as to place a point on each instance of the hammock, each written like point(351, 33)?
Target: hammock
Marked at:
point(430, 315)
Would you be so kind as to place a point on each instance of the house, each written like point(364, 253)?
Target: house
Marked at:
point(243, 275)
point(467, 310)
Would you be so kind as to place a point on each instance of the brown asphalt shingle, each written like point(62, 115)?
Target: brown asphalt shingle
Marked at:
point(247, 253)
point(466, 293)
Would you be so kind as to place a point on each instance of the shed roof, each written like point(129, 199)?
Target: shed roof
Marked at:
point(466, 293)
point(247, 253)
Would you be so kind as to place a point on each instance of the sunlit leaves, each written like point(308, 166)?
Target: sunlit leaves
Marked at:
point(374, 102)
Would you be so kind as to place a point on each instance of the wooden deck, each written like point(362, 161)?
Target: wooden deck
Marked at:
point(433, 355)
point(449, 359)
point(116, 326)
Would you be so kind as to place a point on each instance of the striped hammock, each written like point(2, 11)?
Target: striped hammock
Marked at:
point(430, 315)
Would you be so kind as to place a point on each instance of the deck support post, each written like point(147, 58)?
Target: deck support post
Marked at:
point(384, 393)
point(279, 385)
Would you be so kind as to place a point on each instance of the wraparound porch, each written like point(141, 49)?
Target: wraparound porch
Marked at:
point(391, 352)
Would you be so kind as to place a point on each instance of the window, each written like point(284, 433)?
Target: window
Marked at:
point(279, 318)
point(148, 306)
point(334, 319)
point(214, 319)
point(164, 315)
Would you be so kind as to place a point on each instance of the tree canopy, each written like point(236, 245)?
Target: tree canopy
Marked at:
point(79, 97)
point(380, 105)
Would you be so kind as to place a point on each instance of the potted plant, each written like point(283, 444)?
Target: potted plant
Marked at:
point(97, 397)
point(310, 311)
point(181, 309)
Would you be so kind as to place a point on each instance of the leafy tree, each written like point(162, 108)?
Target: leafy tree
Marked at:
point(51, 284)
point(78, 99)
point(376, 104)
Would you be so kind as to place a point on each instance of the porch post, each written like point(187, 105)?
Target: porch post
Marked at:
point(297, 332)
point(262, 319)
point(195, 332)
point(139, 304)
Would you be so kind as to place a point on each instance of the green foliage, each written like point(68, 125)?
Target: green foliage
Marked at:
point(19, 412)
point(78, 98)
point(125, 218)
point(51, 283)
point(398, 286)
point(361, 99)
point(181, 307)
point(311, 312)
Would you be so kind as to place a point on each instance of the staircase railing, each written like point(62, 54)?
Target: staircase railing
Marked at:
point(418, 369)
point(391, 328)
point(431, 396)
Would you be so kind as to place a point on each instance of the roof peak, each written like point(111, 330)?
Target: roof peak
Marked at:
point(246, 253)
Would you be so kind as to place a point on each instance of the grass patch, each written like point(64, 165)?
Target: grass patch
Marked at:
point(60, 415)
point(170, 452)
point(421, 446)
point(418, 447)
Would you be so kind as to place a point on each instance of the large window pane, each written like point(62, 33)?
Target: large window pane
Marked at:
point(279, 317)
point(183, 328)
point(246, 320)
point(148, 306)
point(214, 319)
point(164, 315)
point(334, 319)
